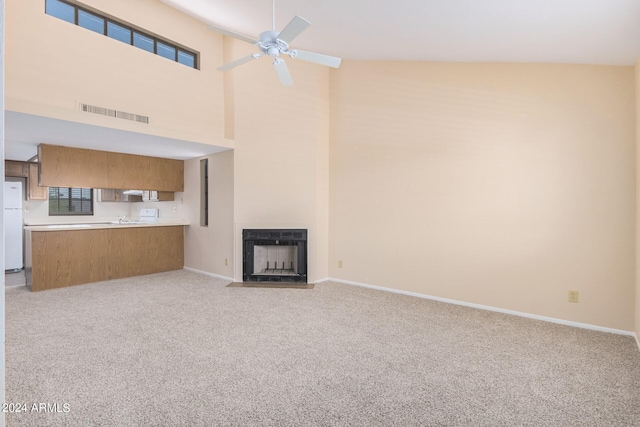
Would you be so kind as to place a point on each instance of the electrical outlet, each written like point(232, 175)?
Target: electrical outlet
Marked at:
point(339, 263)
point(573, 296)
point(226, 261)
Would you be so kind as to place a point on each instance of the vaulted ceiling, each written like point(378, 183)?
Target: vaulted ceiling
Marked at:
point(555, 31)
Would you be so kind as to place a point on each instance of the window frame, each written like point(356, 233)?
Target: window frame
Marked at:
point(133, 29)
point(91, 14)
point(117, 24)
point(69, 200)
point(75, 12)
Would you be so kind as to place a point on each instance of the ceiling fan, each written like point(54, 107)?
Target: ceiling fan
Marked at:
point(274, 44)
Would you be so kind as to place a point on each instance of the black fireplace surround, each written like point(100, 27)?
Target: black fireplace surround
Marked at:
point(270, 255)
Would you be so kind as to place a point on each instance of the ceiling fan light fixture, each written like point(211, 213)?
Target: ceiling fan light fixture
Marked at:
point(273, 52)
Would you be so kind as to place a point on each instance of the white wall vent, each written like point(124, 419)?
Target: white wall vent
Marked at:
point(114, 113)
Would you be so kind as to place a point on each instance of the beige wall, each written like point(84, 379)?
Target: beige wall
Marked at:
point(637, 299)
point(206, 248)
point(281, 154)
point(53, 66)
point(499, 184)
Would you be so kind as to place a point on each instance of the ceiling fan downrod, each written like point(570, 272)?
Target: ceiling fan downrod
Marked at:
point(273, 20)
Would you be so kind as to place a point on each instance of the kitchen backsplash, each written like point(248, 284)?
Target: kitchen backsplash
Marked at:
point(37, 211)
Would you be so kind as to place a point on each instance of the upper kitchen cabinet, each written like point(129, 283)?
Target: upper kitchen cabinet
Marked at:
point(16, 169)
point(72, 167)
point(167, 173)
point(79, 167)
point(28, 170)
point(35, 192)
point(125, 172)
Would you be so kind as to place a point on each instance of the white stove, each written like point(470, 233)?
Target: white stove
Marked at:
point(149, 215)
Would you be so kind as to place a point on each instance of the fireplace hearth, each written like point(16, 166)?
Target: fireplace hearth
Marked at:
point(270, 255)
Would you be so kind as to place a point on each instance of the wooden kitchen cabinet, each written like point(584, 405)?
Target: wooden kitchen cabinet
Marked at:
point(167, 173)
point(72, 167)
point(108, 195)
point(17, 169)
point(79, 167)
point(57, 259)
point(35, 192)
point(166, 196)
point(30, 172)
point(125, 172)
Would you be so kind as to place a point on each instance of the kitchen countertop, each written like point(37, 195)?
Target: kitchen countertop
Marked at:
point(99, 225)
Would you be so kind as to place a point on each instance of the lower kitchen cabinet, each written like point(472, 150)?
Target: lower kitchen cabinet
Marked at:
point(57, 259)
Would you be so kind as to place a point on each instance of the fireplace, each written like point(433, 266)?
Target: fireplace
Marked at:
point(274, 255)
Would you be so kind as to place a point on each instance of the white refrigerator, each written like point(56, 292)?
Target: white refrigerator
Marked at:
point(13, 259)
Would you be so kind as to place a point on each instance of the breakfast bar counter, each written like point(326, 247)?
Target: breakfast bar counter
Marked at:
point(61, 255)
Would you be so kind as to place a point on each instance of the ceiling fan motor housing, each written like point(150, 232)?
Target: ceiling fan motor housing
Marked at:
point(269, 44)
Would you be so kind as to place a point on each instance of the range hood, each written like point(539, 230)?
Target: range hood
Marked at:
point(147, 195)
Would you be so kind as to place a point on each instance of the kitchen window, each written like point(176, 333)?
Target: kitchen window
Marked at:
point(94, 20)
point(70, 201)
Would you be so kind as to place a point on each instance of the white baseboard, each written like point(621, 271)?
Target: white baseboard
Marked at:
point(324, 279)
point(496, 309)
point(635, 335)
point(206, 273)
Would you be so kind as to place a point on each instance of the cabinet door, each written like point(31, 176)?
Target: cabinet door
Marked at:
point(164, 174)
point(36, 192)
point(165, 196)
point(72, 167)
point(126, 172)
point(171, 175)
point(109, 195)
point(18, 169)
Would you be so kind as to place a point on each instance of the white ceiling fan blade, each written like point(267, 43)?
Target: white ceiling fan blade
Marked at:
point(318, 58)
point(283, 72)
point(232, 34)
point(293, 29)
point(237, 62)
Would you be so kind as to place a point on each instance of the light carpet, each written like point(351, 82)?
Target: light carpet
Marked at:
point(182, 349)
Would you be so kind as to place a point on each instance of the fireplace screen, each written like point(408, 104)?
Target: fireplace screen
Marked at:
point(274, 255)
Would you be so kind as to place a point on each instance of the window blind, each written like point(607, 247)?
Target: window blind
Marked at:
point(70, 201)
